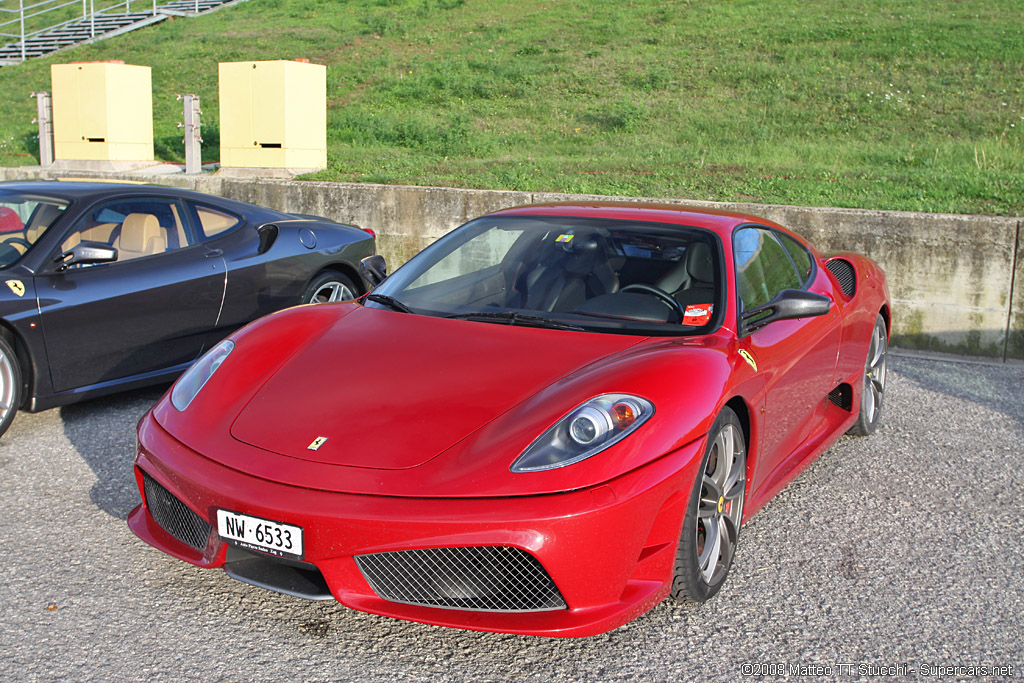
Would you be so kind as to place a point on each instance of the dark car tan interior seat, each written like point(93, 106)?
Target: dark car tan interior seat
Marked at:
point(140, 235)
point(103, 233)
point(41, 218)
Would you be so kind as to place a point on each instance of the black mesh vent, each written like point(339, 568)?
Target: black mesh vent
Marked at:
point(841, 396)
point(488, 578)
point(174, 516)
point(844, 272)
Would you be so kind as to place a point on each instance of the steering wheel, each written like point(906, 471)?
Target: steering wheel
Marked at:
point(664, 296)
point(18, 240)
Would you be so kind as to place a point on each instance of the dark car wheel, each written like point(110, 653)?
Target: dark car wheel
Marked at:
point(874, 382)
point(328, 288)
point(10, 385)
point(711, 527)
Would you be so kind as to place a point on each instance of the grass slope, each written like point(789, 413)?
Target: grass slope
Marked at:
point(914, 104)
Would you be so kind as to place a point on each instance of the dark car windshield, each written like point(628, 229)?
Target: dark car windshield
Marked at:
point(565, 272)
point(23, 220)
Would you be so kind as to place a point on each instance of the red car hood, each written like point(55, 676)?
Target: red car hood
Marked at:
point(391, 391)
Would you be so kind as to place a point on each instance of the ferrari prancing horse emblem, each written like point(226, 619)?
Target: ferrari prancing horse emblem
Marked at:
point(317, 443)
point(17, 286)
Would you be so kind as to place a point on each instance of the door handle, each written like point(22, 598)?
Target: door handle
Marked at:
point(213, 253)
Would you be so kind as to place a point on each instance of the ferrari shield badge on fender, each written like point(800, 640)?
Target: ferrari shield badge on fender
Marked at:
point(317, 443)
point(750, 359)
point(17, 286)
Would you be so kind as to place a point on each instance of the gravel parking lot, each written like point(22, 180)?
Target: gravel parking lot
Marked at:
point(902, 552)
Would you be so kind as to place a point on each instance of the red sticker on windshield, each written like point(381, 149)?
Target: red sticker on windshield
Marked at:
point(698, 314)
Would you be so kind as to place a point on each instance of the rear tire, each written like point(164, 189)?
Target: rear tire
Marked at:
point(329, 287)
point(711, 526)
point(10, 385)
point(873, 391)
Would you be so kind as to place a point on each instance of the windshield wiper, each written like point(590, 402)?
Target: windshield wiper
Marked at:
point(389, 301)
point(513, 318)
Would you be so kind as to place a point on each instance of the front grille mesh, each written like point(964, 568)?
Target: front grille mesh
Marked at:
point(844, 272)
point(174, 516)
point(486, 578)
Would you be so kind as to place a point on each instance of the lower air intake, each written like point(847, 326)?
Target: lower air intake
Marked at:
point(844, 272)
point(486, 578)
point(841, 396)
point(174, 516)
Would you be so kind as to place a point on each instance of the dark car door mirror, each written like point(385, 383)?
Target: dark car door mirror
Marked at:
point(788, 304)
point(373, 269)
point(86, 253)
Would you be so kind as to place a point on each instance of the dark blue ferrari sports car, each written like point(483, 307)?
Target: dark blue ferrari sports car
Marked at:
point(112, 286)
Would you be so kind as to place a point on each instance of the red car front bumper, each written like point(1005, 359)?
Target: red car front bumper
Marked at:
point(609, 549)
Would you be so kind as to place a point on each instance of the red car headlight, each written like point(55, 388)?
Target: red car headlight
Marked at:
point(196, 377)
point(585, 431)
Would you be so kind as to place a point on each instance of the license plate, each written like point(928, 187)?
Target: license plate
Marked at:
point(255, 533)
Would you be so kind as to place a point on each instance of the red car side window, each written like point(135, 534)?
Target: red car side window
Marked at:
point(762, 267)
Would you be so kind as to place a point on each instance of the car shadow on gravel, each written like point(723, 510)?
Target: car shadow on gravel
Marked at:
point(999, 387)
point(102, 431)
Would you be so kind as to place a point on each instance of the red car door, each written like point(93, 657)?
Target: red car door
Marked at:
point(797, 358)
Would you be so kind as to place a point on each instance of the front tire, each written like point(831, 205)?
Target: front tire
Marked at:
point(712, 524)
point(329, 287)
point(10, 385)
point(873, 391)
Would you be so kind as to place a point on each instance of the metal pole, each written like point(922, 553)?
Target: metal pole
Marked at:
point(92, 18)
point(193, 140)
point(154, 8)
point(127, 6)
point(197, 6)
point(21, 19)
point(44, 114)
point(85, 11)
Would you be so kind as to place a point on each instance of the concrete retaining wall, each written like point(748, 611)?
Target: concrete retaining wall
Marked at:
point(957, 281)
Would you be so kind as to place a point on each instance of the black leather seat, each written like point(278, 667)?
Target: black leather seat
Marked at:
point(692, 280)
point(569, 275)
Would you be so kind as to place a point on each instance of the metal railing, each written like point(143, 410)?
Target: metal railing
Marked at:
point(62, 13)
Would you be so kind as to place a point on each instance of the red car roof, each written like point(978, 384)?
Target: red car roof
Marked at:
point(714, 219)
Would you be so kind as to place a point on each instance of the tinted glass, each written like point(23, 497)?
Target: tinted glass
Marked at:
point(763, 268)
point(214, 222)
point(23, 220)
point(801, 257)
point(595, 274)
point(135, 227)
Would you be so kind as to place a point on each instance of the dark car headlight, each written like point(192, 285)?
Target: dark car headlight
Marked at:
point(587, 430)
point(188, 385)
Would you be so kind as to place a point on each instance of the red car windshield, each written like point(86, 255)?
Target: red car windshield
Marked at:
point(571, 272)
point(23, 220)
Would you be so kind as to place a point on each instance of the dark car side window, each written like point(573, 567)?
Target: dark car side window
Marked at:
point(213, 223)
point(23, 220)
point(136, 227)
point(763, 268)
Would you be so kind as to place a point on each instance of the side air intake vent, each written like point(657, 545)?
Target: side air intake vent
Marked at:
point(844, 272)
point(841, 396)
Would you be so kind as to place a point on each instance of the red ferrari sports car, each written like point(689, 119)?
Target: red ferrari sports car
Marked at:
point(545, 423)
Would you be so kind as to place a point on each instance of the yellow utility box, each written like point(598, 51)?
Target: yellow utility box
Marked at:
point(273, 115)
point(102, 111)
